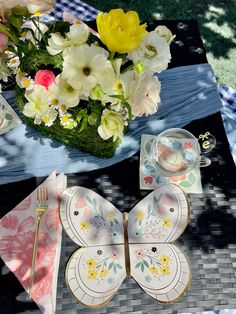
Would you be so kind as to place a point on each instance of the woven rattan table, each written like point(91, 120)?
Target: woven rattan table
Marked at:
point(209, 241)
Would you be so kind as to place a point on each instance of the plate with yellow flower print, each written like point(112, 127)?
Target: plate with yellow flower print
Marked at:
point(114, 245)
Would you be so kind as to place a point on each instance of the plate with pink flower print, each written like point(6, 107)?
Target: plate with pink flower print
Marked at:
point(114, 245)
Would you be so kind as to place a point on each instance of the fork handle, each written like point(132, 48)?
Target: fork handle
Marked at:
point(34, 254)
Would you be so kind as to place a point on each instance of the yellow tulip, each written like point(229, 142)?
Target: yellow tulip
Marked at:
point(120, 31)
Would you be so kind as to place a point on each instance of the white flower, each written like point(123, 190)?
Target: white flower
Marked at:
point(37, 104)
point(112, 125)
point(63, 92)
point(67, 121)
point(86, 66)
point(4, 70)
point(14, 62)
point(154, 51)
point(39, 6)
point(49, 117)
point(164, 32)
point(77, 36)
point(145, 100)
point(27, 83)
point(37, 34)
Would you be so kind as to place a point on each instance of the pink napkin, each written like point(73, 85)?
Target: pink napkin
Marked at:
point(17, 230)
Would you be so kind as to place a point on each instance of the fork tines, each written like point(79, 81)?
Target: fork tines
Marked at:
point(42, 197)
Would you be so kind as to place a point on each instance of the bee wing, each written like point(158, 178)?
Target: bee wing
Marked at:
point(162, 270)
point(94, 274)
point(89, 219)
point(161, 216)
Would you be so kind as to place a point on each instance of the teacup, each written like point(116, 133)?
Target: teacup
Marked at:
point(176, 152)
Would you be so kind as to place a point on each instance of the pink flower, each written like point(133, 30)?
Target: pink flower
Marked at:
point(139, 254)
point(188, 145)
point(44, 78)
point(178, 178)
point(3, 41)
point(148, 179)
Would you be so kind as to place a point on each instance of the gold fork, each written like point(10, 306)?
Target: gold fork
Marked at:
point(42, 206)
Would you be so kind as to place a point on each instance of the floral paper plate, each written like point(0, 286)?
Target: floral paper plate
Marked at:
point(149, 177)
point(114, 245)
point(8, 118)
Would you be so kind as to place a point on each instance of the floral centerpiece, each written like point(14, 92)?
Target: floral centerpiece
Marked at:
point(77, 85)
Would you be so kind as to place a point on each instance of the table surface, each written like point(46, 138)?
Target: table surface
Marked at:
point(209, 241)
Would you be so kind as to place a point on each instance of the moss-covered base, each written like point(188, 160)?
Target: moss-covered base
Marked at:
point(88, 140)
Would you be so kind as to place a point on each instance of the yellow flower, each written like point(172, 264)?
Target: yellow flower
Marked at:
point(104, 272)
point(111, 216)
point(84, 226)
point(165, 270)
point(120, 31)
point(139, 215)
point(153, 270)
point(165, 259)
point(92, 274)
point(91, 263)
point(166, 223)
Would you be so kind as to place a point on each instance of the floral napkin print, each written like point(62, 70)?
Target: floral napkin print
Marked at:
point(8, 117)
point(17, 229)
point(149, 178)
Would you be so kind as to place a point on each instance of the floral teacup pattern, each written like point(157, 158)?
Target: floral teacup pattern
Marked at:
point(149, 177)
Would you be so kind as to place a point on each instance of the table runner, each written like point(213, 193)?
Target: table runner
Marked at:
point(190, 99)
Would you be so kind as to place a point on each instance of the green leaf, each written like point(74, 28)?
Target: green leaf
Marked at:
point(116, 221)
point(142, 267)
point(81, 114)
point(118, 266)
point(148, 147)
point(16, 21)
point(138, 265)
point(110, 265)
point(84, 124)
point(146, 263)
point(192, 177)
point(4, 29)
point(115, 269)
point(121, 97)
point(185, 184)
point(149, 209)
point(8, 116)
point(127, 106)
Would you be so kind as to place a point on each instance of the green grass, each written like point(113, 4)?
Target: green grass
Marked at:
point(216, 19)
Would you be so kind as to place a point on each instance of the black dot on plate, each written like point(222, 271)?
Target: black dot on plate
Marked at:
point(172, 210)
point(76, 213)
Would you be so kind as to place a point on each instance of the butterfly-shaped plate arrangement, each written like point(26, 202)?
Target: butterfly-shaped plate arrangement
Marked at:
point(114, 245)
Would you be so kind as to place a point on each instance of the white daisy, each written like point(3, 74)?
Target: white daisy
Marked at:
point(27, 83)
point(14, 62)
point(154, 51)
point(49, 117)
point(37, 104)
point(65, 118)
